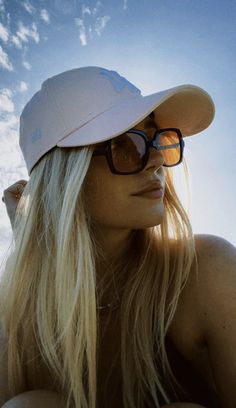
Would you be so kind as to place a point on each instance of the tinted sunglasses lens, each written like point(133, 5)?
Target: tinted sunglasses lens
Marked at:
point(128, 151)
point(170, 142)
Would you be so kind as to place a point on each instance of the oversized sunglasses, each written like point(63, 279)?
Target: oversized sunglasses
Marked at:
point(129, 152)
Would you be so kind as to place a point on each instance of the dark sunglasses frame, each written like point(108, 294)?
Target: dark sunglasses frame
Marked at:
point(105, 149)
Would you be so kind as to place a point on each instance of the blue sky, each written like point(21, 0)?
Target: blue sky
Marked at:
point(156, 45)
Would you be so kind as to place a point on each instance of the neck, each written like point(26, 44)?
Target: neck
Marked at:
point(113, 245)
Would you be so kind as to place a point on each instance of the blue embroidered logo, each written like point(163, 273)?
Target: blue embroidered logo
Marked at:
point(37, 135)
point(118, 82)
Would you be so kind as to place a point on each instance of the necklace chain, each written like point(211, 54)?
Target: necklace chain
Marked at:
point(115, 304)
point(112, 306)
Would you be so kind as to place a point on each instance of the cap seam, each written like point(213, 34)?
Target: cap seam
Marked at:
point(99, 114)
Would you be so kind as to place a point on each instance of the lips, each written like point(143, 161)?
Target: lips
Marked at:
point(157, 185)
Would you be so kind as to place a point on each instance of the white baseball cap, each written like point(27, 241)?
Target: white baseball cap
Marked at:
point(88, 105)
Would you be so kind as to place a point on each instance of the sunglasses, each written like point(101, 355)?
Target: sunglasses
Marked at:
point(129, 152)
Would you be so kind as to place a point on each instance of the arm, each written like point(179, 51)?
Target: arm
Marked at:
point(217, 310)
point(36, 399)
point(30, 399)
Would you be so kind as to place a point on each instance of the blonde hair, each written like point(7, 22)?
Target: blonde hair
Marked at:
point(49, 296)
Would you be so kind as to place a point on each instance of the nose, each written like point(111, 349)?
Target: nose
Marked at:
point(155, 159)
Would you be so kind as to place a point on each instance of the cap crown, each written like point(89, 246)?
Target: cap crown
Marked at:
point(67, 102)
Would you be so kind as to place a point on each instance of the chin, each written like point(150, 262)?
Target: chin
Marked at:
point(153, 217)
point(148, 222)
point(149, 225)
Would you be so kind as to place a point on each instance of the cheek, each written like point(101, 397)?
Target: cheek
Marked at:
point(110, 203)
point(106, 197)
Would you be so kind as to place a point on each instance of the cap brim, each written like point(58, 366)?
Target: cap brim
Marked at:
point(187, 107)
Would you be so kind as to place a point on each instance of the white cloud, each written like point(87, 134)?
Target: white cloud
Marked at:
point(86, 10)
point(28, 7)
point(34, 33)
point(16, 41)
point(22, 87)
point(2, 7)
point(27, 65)
point(83, 38)
point(8, 17)
point(8, 125)
point(12, 168)
point(6, 104)
point(45, 16)
point(82, 31)
point(96, 8)
point(91, 21)
point(10, 155)
point(4, 35)
point(101, 23)
point(24, 34)
point(4, 60)
point(125, 4)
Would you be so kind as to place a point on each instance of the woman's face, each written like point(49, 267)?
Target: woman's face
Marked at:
point(111, 198)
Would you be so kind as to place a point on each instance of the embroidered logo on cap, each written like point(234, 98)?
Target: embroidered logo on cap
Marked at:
point(118, 82)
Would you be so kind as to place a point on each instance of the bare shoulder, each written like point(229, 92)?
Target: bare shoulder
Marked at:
point(36, 399)
point(215, 269)
point(204, 324)
point(216, 276)
point(217, 310)
point(211, 248)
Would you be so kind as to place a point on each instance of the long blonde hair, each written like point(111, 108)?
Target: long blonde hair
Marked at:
point(48, 289)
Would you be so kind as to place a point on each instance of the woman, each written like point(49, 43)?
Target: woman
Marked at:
point(107, 298)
